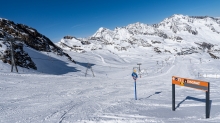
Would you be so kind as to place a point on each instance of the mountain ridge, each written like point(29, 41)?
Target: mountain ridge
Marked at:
point(174, 34)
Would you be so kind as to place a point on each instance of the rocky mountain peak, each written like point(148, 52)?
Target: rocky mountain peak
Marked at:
point(23, 34)
point(101, 31)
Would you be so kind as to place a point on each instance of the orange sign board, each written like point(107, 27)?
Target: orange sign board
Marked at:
point(202, 85)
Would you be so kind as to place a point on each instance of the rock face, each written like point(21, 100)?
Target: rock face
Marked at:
point(22, 58)
point(28, 36)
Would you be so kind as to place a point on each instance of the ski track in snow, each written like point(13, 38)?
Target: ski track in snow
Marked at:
point(103, 61)
point(73, 98)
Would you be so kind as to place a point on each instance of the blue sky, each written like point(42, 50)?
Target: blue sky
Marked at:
point(82, 18)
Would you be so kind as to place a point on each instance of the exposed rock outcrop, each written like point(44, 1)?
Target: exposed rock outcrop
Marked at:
point(28, 36)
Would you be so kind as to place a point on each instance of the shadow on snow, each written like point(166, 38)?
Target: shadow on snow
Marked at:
point(86, 65)
point(195, 99)
point(152, 95)
point(49, 65)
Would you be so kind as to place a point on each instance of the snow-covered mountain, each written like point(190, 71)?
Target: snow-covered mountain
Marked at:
point(177, 34)
point(23, 35)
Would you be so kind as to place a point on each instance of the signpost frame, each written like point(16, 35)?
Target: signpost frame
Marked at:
point(197, 84)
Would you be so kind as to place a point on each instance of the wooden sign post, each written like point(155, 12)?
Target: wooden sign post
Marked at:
point(197, 84)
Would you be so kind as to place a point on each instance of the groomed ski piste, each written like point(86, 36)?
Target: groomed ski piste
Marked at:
point(59, 92)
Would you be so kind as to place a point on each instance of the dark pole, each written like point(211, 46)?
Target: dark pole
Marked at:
point(12, 67)
point(12, 60)
point(139, 69)
point(135, 91)
point(207, 102)
point(173, 97)
point(13, 64)
point(92, 71)
point(87, 69)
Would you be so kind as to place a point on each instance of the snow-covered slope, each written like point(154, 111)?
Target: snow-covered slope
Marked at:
point(69, 96)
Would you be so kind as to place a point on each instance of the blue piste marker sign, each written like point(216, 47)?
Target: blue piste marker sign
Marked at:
point(135, 76)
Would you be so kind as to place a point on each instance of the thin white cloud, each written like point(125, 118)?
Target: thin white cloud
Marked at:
point(78, 25)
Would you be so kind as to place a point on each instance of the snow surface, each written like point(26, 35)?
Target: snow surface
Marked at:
point(59, 92)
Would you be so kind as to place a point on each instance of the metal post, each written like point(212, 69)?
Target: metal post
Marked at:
point(139, 69)
point(207, 102)
point(12, 59)
point(173, 97)
point(12, 67)
point(13, 64)
point(92, 72)
point(87, 69)
point(135, 91)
